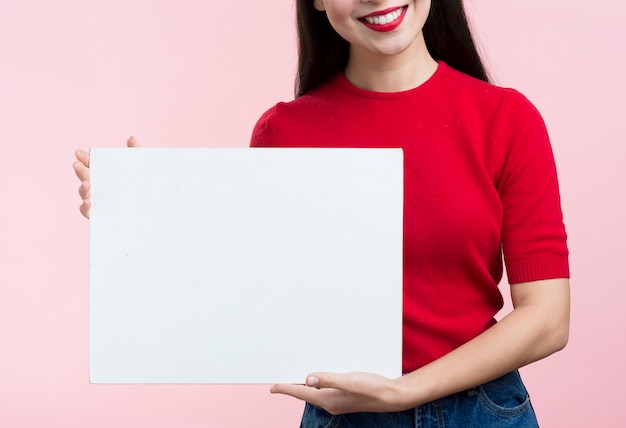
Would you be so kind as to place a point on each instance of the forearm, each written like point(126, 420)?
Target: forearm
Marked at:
point(536, 328)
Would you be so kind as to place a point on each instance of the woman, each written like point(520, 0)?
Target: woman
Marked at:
point(480, 183)
point(479, 179)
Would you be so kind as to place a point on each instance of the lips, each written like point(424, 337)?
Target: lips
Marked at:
point(384, 20)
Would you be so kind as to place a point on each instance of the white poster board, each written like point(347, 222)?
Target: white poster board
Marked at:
point(244, 265)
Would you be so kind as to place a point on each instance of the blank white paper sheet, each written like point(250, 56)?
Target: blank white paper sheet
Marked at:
point(256, 265)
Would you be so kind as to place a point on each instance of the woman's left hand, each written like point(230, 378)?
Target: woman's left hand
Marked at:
point(346, 393)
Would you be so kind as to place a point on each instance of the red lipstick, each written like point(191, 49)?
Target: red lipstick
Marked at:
point(372, 20)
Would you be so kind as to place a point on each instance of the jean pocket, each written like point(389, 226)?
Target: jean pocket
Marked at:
point(505, 396)
point(316, 417)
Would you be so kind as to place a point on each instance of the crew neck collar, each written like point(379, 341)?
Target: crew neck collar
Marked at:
point(341, 79)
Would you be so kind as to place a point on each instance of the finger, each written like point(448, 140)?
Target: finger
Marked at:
point(332, 400)
point(81, 171)
point(301, 392)
point(85, 207)
point(288, 389)
point(131, 142)
point(314, 382)
point(82, 156)
point(84, 190)
point(327, 380)
point(355, 383)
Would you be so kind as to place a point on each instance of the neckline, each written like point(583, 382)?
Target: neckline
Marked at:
point(341, 79)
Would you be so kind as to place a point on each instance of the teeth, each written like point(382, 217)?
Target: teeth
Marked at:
point(385, 19)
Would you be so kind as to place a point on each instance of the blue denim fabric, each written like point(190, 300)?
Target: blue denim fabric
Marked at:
point(501, 403)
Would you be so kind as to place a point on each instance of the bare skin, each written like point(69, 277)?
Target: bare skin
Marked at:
point(81, 168)
point(536, 328)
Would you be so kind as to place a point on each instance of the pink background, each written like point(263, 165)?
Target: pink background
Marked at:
point(197, 73)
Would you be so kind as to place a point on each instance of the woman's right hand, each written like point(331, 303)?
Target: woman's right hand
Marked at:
point(81, 168)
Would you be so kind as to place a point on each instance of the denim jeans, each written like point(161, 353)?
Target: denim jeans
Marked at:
point(501, 403)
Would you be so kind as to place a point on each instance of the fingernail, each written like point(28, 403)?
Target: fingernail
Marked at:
point(312, 381)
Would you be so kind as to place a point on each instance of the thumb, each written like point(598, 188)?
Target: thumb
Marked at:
point(320, 380)
point(131, 142)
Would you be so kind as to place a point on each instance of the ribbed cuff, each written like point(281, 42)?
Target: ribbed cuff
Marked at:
point(537, 269)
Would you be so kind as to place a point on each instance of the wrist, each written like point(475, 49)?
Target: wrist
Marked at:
point(412, 390)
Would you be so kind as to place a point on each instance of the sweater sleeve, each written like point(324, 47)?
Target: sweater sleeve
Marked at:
point(533, 235)
point(263, 133)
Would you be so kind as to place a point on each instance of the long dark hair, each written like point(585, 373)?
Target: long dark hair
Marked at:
point(322, 52)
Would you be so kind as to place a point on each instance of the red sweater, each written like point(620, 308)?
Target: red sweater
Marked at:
point(480, 182)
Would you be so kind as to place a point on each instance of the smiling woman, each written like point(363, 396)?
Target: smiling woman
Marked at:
point(481, 192)
point(371, 28)
point(325, 39)
point(480, 183)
